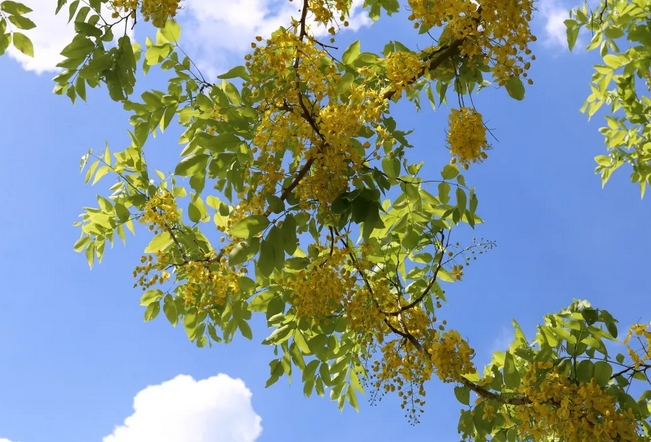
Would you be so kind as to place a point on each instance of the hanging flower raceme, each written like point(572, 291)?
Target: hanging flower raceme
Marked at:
point(467, 136)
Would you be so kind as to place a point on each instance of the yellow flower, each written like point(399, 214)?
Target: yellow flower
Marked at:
point(467, 136)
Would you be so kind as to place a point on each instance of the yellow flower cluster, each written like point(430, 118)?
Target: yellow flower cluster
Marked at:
point(325, 182)
point(457, 272)
point(323, 11)
point(127, 6)
point(160, 212)
point(561, 408)
point(208, 283)
point(160, 215)
point(452, 356)
point(467, 136)
point(318, 290)
point(143, 271)
point(403, 68)
point(158, 11)
point(403, 366)
point(495, 32)
point(304, 117)
point(362, 313)
point(403, 369)
point(641, 331)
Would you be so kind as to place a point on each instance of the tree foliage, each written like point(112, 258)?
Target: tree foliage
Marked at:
point(619, 30)
point(294, 197)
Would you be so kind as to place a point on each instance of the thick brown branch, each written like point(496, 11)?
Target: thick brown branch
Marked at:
point(408, 336)
point(299, 176)
point(303, 29)
point(481, 391)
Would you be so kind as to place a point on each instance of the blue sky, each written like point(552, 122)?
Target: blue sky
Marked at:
point(75, 353)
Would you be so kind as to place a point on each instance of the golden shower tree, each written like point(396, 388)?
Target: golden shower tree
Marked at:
point(294, 197)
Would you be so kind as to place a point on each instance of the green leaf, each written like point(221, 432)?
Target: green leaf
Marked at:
point(444, 192)
point(511, 375)
point(585, 371)
point(449, 171)
point(5, 40)
point(79, 48)
point(246, 284)
point(275, 237)
point(276, 205)
point(81, 243)
point(245, 329)
point(289, 234)
point(261, 301)
point(236, 72)
point(171, 31)
point(310, 370)
point(324, 372)
point(23, 44)
point(319, 387)
point(461, 199)
point(80, 87)
point(266, 261)
point(352, 398)
point(244, 251)
point(90, 255)
point(72, 8)
point(152, 311)
point(602, 373)
point(87, 29)
point(612, 60)
point(22, 22)
point(462, 394)
point(169, 308)
point(190, 322)
point(351, 53)
point(194, 213)
point(150, 296)
point(192, 165)
point(345, 82)
point(572, 33)
point(122, 212)
point(249, 226)
point(14, 8)
point(515, 88)
point(159, 242)
point(301, 343)
point(391, 167)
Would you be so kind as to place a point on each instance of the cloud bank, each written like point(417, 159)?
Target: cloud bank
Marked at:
point(212, 33)
point(217, 409)
point(215, 35)
point(52, 33)
point(554, 13)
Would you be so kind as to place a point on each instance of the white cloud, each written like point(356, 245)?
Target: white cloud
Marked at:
point(217, 409)
point(51, 34)
point(554, 13)
point(216, 34)
point(4, 440)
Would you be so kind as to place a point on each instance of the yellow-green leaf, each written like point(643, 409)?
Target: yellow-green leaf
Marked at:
point(23, 44)
point(249, 226)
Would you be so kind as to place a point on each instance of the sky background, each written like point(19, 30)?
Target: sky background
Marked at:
point(79, 364)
